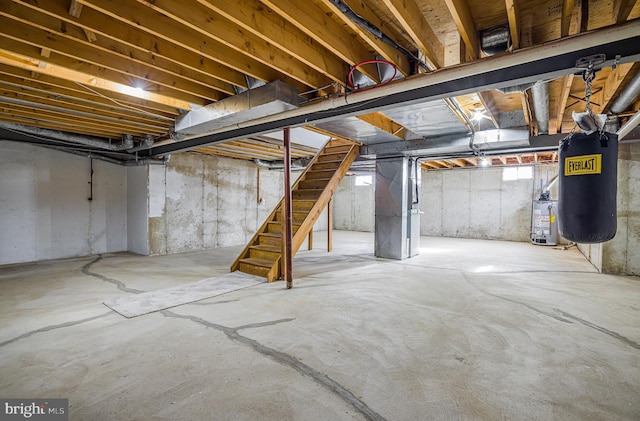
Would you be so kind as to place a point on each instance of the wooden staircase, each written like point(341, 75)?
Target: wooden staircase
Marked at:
point(310, 195)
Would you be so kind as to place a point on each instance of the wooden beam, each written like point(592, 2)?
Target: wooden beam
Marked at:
point(513, 14)
point(77, 54)
point(525, 109)
point(69, 126)
point(565, 20)
point(75, 9)
point(59, 87)
point(562, 101)
point(461, 14)
point(118, 36)
point(411, 19)
point(167, 29)
point(388, 125)
point(91, 36)
point(460, 162)
point(210, 25)
point(377, 45)
point(430, 164)
point(444, 163)
point(87, 79)
point(502, 159)
point(622, 9)
point(57, 100)
point(324, 55)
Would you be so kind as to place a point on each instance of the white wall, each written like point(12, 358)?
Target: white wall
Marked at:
point(44, 208)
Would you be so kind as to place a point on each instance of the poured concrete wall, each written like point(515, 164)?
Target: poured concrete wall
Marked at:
point(621, 255)
point(44, 208)
point(475, 203)
point(201, 201)
point(354, 206)
point(137, 210)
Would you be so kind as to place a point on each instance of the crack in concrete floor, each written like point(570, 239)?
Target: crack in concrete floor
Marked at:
point(615, 335)
point(54, 327)
point(232, 333)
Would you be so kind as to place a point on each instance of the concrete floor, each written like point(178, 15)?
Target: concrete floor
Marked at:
point(470, 329)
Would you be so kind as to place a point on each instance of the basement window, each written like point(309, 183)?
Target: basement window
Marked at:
point(364, 180)
point(517, 173)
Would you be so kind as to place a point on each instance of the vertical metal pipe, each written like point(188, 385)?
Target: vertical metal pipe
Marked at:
point(330, 225)
point(286, 221)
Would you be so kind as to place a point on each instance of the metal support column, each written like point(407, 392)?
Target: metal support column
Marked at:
point(330, 225)
point(286, 217)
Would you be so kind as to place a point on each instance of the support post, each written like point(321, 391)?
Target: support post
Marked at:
point(286, 209)
point(310, 245)
point(330, 225)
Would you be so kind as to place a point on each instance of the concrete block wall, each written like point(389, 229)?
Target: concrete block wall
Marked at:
point(44, 208)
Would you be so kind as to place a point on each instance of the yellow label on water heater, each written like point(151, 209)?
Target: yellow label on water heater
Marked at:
point(583, 164)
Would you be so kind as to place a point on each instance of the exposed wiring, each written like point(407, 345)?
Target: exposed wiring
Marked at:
point(376, 32)
point(140, 110)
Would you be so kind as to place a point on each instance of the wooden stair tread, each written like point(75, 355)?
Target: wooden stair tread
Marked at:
point(271, 234)
point(258, 262)
point(267, 247)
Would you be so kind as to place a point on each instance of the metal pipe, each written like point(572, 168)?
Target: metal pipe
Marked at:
point(95, 142)
point(124, 163)
point(278, 164)
point(540, 94)
point(145, 144)
point(286, 209)
point(627, 96)
point(550, 184)
point(628, 126)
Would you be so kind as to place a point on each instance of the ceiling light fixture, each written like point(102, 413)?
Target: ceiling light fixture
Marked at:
point(484, 162)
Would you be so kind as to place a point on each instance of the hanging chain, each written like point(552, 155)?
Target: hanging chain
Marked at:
point(588, 77)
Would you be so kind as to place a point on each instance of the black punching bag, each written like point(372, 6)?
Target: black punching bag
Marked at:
point(587, 187)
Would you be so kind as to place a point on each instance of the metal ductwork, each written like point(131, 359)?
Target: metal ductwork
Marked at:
point(495, 40)
point(278, 164)
point(627, 96)
point(515, 89)
point(126, 143)
point(540, 94)
point(270, 99)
